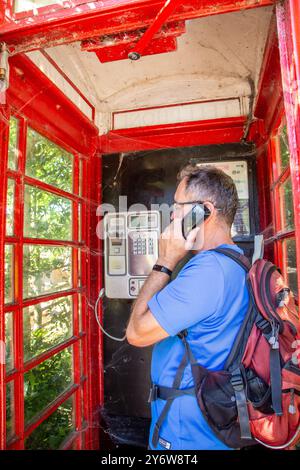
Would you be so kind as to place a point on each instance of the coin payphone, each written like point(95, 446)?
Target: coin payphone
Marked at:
point(131, 250)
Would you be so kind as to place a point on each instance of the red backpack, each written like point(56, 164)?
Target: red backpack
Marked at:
point(256, 397)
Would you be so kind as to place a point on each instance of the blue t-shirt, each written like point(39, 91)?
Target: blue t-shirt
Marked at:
point(209, 298)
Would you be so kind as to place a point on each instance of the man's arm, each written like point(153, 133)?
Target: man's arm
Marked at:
point(143, 329)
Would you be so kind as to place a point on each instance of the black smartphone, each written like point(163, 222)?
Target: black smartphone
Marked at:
point(192, 219)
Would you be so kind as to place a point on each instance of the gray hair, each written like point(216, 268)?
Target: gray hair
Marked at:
point(209, 183)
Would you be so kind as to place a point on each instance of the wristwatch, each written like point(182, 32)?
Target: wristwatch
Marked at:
point(162, 269)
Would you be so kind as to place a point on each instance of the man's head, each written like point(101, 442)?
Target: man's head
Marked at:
point(212, 187)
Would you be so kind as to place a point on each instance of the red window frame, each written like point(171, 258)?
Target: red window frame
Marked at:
point(47, 110)
point(279, 176)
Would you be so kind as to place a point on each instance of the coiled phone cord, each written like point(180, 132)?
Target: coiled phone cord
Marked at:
point(100, 296)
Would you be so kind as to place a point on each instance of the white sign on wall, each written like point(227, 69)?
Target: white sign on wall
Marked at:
point(238, 170)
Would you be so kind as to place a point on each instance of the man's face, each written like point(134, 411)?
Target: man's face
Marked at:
point(181, 195)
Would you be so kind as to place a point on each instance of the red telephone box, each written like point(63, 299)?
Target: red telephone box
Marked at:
point(105, 99)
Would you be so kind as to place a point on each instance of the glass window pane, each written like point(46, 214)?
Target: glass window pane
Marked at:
point(47, 215)
point(284, 148)
point(8, 296)
point(48, 162)
point(54, 430)
point(46, 269)
point(9, 341)
point(10, 207)
point(10, 410)
point(287, 210)
point(45, 325)
point(291, 268)
point(13, 143)
point(46, 382)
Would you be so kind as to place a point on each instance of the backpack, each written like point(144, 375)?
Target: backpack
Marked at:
point(256, 397)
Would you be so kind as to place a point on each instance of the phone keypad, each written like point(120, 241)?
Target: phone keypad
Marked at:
point(143, 245)
point(140, 246)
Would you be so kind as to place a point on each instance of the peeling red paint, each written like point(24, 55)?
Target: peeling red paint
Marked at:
point(69, 25)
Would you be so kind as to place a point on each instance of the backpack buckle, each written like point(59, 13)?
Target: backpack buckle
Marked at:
point(237, 381)
point(182, 334)
point(153, 395)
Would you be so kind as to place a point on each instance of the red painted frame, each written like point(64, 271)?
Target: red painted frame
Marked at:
point(25, 36)
point(187, 134)
point(4, 116)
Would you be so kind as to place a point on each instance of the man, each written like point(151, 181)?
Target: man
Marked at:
point(208, 298)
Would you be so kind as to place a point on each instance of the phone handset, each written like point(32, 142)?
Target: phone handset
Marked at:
point(197, 215)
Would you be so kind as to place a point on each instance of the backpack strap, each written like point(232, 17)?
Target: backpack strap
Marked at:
point(238, 386)
point(236, 375)
point(170, 393)
point(275, 367)
point(237, 257)
point(171, 397)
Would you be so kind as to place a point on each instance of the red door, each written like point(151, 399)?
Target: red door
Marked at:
point(50, 348)
point(47, 150)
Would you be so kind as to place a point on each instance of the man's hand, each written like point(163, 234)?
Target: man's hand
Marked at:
point(143, 329)
point(172, 246)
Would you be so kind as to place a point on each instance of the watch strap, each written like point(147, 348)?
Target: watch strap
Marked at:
point(162, 269)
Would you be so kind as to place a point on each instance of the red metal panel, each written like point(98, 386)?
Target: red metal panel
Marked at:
point(94, 282)
point(117, 46)
point(119, 52)
point(288, 21)
point(263, 193)
point(110, 40)
point(109, 17)
point(269, 101)
point(188, 134)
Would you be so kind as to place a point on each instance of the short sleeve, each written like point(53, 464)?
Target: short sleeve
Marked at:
point(192, 297)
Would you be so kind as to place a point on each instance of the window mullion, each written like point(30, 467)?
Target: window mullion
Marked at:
point(18, 265)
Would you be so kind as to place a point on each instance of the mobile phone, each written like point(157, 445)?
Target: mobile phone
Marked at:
point(192, 219)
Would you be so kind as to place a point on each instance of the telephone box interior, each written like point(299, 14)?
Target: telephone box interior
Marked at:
point(206, 90)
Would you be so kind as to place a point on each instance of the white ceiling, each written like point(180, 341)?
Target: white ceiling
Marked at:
point(214, 59)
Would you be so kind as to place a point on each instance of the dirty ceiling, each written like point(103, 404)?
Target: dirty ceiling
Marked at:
point(215, 58)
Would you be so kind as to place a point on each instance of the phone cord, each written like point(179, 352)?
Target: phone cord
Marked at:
point(101, 294)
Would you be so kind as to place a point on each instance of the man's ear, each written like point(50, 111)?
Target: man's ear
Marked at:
point(208, 209)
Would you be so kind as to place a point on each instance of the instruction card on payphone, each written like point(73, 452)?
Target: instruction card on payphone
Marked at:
point(131, 250)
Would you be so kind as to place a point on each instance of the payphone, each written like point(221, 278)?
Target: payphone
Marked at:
point(131, 250)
